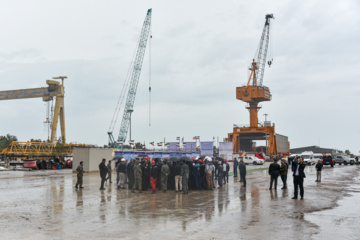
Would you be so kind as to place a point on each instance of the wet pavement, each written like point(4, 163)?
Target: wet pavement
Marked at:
point(45, 205)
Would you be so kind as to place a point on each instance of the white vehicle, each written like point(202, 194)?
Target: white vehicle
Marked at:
point(344, 160)
point(308, 157)
point(317, 156)
point(251, 160)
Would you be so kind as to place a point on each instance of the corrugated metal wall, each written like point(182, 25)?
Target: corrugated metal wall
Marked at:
point(282, 143)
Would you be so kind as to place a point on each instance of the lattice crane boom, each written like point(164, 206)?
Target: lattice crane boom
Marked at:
point(263, 50)
point(134, 80)
point(135, 77)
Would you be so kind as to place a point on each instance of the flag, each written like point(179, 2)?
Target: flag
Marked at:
point(167, 144)
point(197, 148)
point(184, 144)
point(196, 137)
point(178, 138)
point(178, 144)
point(144, 147)
point(152, 143)
point(131, 142)
point(119, 142)
point(159, 144)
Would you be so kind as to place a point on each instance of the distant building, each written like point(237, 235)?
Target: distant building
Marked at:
point(314, 149)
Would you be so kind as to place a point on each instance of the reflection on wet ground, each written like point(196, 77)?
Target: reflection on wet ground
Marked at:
point(45, 205)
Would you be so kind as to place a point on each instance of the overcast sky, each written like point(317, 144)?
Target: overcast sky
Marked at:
point(200, 52)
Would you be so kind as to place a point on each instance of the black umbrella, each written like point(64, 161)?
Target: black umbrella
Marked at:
point(219, 159)
point(173, 159)
point(185, 158)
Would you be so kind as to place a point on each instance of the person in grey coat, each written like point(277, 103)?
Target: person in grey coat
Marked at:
point(185, 176)
point(242, 168)
point(137, 177)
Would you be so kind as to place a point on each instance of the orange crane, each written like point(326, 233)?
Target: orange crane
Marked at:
point(254, 93)
point(55, 89)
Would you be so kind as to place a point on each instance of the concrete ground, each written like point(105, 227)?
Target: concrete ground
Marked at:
point(45, 205)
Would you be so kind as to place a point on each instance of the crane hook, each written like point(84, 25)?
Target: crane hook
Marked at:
point(270, 62)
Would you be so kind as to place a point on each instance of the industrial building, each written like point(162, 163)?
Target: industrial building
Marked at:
point(314, 149)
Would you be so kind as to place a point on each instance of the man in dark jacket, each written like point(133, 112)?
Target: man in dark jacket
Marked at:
point(299, 176)
point(220, 175)
point(242, 169)
point(121, 170)
point(103, 171)
point(130, 174)
point(236, 164)
point(145, 168)
point(283, 173)
point(178, 179)
point(226, 169)
point(153, 176)
point(196, 172)
point(274, 171)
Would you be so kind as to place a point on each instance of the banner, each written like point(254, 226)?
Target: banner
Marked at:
point(225, 150)
point(172, 146)
point(190, 146)
point(207, 148)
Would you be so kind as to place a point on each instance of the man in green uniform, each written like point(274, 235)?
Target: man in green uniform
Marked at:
point(109, 171)
point(137, 177)
point(165, 171)
point(80, 173)
point(185, 176)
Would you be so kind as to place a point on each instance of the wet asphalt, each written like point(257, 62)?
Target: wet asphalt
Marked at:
point(45, 205)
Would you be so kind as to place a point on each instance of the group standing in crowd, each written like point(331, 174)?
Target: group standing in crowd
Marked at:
point(182, 176)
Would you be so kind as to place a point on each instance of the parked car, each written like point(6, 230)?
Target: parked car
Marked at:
point(328, 160)
point(307, 156)
point(344, 160)
point(251, 160)
point(317, 157)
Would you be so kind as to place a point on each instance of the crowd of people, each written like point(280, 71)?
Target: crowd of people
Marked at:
point(145, 174)
point(179, 175)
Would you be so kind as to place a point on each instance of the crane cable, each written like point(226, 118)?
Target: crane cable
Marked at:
point(270, 48)
point(150, 76)
point(122, 94)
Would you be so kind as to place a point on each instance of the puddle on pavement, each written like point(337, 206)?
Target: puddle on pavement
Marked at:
point(47, 206)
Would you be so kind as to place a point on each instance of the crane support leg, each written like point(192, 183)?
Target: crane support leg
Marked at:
point(236, 143)
point(62, 119)
point(56, 118)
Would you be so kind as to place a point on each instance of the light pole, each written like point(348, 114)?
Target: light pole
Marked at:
point(130, 111)
point(265, 116)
